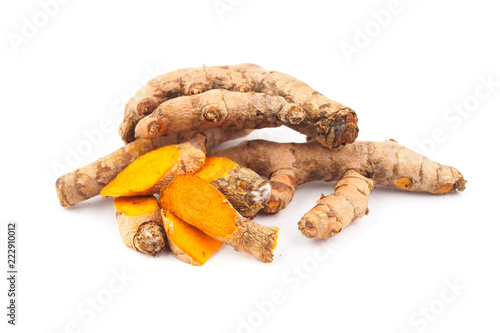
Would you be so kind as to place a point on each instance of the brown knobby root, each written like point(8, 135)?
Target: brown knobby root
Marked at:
point(88, 181)
point(219, 108)
point(243, 187)
point(140, 224)
point(198, 203)
point(151, 171)
point(182, 82)
point(336, 211)
point(328, 122)
point(287, 165)
point(187, 243)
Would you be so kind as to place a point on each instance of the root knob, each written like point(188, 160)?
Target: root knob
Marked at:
point(212, 114)
point(146, 106)
point(153, 128)
point(292, 114)
point(195, 91)
point(242, 88)
point(150, 238)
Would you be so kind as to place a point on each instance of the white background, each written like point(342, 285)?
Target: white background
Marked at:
point(81, 66)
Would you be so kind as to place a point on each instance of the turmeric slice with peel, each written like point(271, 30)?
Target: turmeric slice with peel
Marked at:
point(86, 182)
point(140, 224)
point(148, 173)
point(244, 188)
point(200, 204)
point(186, 242)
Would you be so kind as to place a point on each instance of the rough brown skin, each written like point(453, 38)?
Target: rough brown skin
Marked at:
point(388, 163)
point(143, 233)
point(243, 187)
point(182, 82)
point(210, 211)
point(257, 240)
point(88, 181)
point(328, 122)
point(219, 108)
point(336, 211)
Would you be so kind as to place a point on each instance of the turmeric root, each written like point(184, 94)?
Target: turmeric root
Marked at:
point(219, 108)
point(328, 122)
point(88, 181)
point(209, 210)
point(334, 212)
point(186, 242)
point(150, 172)
point(388, 163)
point(183, 82)
point(243, 187)
point(140, 224)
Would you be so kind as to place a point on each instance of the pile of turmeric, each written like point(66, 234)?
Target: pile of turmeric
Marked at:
point(172, 189)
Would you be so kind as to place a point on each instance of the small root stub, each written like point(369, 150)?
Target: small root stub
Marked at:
point(328, 228)
point(146, 106)
point(292, 114)
point(243, 88)
point(153, 128)
point(150, 238)
point(212, 114)
point(139, 224)
point(195, 91)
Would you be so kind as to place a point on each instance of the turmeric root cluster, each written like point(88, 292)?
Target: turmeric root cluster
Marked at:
point(171, 189)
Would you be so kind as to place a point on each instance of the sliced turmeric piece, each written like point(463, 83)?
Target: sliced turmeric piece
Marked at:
point(186, 242)
point(86, 182)
point(148, 173)
point(243, 187)
point(200, 204)
point(140, 224)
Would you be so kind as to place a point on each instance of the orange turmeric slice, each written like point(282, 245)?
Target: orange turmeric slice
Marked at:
point(186, 242)
point(215, 168)
point(148, 173)
point(198, 203)
point(135, 206)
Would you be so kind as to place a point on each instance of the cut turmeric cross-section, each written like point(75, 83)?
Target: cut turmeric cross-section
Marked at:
point(142, 174)
point(186, 242)
point(147, 174)
point(136, 206)
point(200, 204)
